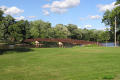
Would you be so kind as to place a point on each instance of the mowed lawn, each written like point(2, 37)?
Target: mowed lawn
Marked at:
point(61, 64)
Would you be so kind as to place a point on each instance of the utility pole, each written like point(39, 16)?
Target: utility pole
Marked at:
point(115, 32)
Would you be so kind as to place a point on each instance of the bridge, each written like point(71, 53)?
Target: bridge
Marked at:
point(71, 41)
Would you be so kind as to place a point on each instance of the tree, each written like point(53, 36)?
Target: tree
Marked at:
point(61, 31)
point(78, 34)
point(39, 29)
point(118, 2)
point(51, 33)
point(109, 18)
point(5, 23)
point(98, 35)
point(71, 27)
point(14, 32)
point(75, 33)
point(1, 15)
point(1, 25)
point(25, 29)
point(19, 31)
point(86, 35)
point(105, 35)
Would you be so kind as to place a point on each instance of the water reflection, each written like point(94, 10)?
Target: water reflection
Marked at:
point(5, 46)
point(21, 48)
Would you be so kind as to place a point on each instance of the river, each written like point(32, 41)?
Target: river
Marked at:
point(109, 44)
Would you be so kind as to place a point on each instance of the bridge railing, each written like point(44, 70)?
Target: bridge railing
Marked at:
point(72, 41)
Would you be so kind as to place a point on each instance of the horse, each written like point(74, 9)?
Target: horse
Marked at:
point(60, 44)
point(37, 43)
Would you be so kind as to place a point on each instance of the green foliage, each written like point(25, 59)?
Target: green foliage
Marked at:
point(1, 15)
point(33, 43)
point(4, 25)
point(105, 35)
point(109, 19)
point(61, 31)
point(39, 29)
point(11, 30)
point(17, 31)
point(118, 2)
point(75, 33)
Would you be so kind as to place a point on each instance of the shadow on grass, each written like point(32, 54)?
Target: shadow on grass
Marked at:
point(18, 50)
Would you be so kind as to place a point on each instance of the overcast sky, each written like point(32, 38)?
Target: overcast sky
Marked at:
point(83, 13)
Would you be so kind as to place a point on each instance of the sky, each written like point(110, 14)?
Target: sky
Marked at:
point(83, 13)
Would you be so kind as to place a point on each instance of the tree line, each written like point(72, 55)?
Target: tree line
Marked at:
point(17, 31)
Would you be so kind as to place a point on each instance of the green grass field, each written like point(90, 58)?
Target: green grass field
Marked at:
point(61, 64)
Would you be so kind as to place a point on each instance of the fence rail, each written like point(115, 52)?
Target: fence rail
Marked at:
point(72, 41)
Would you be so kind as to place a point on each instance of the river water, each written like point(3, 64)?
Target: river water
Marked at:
point(109, 44)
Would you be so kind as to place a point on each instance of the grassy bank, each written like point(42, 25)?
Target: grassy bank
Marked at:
point(83, 63)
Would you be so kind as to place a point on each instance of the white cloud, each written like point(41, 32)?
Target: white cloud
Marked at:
point(82, 19)
point(62, 5)
point(108, 28)
point(90, 17)
point(20, 18)
point(58, 10)
point(103, 8)
point(3, 8)
point(88, 26)
point(11, 10)
point(24, 18)
point(95, 17)
point(105, 28)
point(46, 6)
point(45, 12)
point(31, 17)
